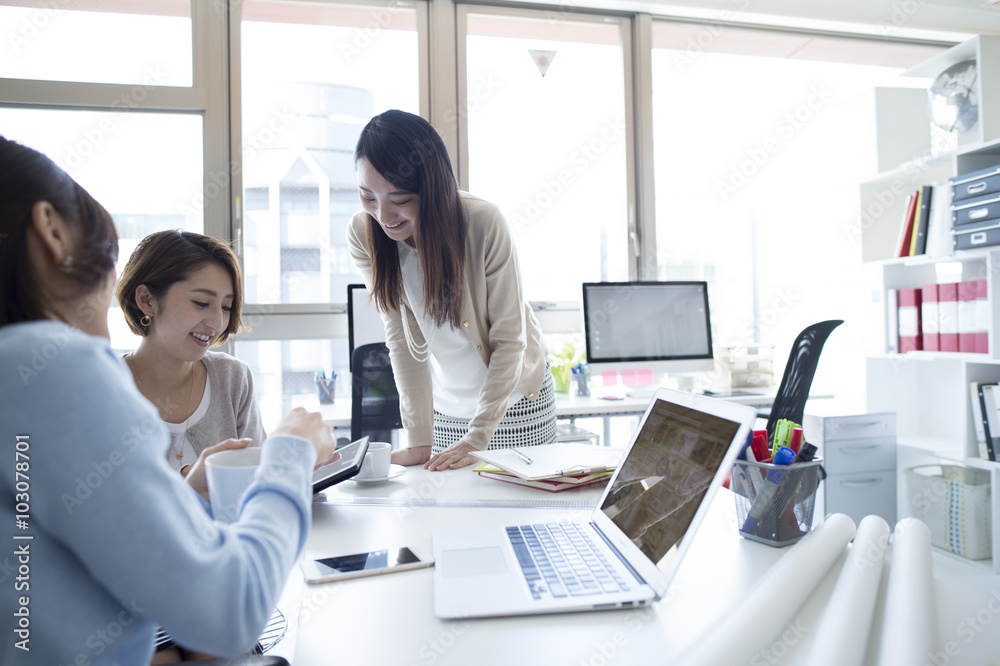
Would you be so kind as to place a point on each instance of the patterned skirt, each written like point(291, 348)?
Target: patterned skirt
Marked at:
point(526, 423)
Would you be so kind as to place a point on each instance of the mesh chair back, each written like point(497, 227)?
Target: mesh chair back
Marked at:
point(790, 401)
point(374, 398)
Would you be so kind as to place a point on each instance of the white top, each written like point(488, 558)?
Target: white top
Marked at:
point(457, 371)
point(179, 439)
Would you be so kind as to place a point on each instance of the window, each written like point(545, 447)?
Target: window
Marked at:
point(312, 76)
point(545, 111)
point(85, 40)
point(760, 141)
point(129, 130)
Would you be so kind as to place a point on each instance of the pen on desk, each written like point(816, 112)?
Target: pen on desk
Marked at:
point(523, 457)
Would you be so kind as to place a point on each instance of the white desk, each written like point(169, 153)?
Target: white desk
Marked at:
point(389, 619)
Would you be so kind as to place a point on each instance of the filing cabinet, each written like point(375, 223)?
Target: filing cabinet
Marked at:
point(859, 455)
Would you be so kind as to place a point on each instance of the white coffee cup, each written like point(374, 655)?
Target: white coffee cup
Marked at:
point(376, 464)
point(229, 474)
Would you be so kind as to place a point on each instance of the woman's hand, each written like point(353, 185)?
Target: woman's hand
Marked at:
point(455, 456)
point(196, 474)
point(416, 455)
point(309, 425)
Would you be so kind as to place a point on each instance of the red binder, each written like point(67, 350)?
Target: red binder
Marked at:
point(909, 320)
point(982, 319)
point(906, 229)
point(967, 293)
point(929, 318)
point(948, 316)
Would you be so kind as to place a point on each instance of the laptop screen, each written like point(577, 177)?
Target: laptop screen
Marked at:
point(661, 482)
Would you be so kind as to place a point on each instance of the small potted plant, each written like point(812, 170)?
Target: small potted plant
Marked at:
point(562, 364)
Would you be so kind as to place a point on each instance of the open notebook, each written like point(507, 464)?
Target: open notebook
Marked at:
point(547, 461)
point(628, 552)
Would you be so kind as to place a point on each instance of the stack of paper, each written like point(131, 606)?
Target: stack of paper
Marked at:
point(551, 467)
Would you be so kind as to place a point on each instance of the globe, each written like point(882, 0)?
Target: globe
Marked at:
point(952, 102)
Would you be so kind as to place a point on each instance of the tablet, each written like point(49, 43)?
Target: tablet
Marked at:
point(351, 457)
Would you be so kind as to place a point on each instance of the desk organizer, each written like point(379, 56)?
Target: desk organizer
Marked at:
point(775, 503)
point(954, 502)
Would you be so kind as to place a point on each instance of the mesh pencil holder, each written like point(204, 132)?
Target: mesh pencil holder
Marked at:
point(954, 502)
point(775, 503)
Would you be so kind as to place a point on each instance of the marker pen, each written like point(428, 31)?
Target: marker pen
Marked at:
point(782, 458)
point(782, 434)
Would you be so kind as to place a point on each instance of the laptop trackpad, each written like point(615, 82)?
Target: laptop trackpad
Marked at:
point(473, 562)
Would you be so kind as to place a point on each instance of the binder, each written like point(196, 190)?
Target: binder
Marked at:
point(977, 418)
point(929, 318)
point(906, 228)
point(909, 320)
point(922, 218)
point(967, 321)
point(983, 317)
point(892, 321)
point(948, 316)
point(988, 395)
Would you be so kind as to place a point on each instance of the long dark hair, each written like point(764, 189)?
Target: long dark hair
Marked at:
point(407, 151)
point(26, 178)
point(167, 257)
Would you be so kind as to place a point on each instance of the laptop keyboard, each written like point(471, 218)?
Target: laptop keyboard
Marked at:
point(560, 560)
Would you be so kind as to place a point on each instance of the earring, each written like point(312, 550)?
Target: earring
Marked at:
point(146, 320)
point(67, 264)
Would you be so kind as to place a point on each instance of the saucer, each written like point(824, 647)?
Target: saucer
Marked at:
point(394, 471)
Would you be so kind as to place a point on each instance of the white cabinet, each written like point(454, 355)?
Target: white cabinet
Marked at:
point(928, 391)
point(859, 456)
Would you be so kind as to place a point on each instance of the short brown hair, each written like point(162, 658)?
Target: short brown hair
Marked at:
point(167, 257)
point(26, 178)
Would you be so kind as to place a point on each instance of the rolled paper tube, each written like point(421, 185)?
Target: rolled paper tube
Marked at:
point(746, 631)
point(909, 628)
point(841, 634)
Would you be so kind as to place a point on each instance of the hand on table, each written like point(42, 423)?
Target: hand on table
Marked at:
point(455, 456)
point(415, 455)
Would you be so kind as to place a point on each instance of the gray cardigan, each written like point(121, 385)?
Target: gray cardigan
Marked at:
point(233, 411)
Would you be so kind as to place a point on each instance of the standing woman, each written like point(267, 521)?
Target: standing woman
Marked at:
point(182, 292)
point(466, 351)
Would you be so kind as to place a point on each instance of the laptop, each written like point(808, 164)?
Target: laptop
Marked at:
point(627, 553)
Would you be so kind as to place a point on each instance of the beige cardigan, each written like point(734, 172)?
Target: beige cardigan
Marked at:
point(497, 319)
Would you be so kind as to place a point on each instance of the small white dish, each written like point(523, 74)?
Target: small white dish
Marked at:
point(394, 471)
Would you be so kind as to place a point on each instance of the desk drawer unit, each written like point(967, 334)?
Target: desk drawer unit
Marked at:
point(852, 456)
point(859, 454)
point(862, 494)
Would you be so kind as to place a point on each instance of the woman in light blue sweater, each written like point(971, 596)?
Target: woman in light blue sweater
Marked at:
point(104, 540)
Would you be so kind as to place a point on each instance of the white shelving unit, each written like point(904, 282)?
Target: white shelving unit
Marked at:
point(929, 391)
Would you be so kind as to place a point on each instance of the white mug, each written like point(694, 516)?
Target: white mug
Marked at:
point(376, 464)
point(229, 474)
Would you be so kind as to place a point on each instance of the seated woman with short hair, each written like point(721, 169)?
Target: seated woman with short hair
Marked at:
point(183, 293)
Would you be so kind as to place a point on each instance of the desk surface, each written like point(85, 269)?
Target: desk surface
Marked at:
point(390, 620)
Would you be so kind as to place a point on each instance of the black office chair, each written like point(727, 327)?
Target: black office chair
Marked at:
point(374, 398)
point(790, 401)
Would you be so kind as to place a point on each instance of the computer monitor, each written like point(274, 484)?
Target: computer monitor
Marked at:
point(660, 326)
point(364, 323)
